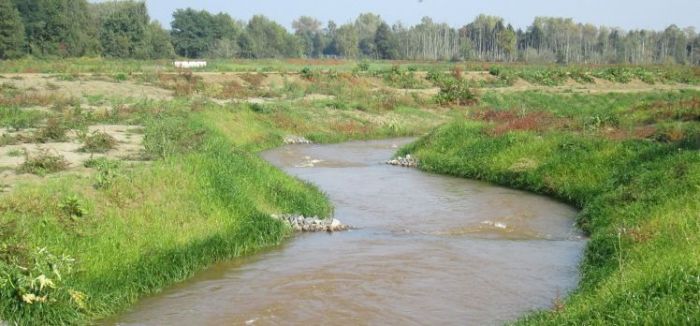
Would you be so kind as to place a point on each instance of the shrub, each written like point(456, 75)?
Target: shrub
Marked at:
point(363, 66)
point(98, 142)
point(307, 73)
point(54, 130)
point(43, 163)
point(457, 92)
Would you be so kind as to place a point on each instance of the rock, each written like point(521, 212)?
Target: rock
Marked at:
point(295, 140)
point(300, 223)
point(407, 161)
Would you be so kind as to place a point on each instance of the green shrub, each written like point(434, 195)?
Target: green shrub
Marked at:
point(457, 92)
point(307, 73)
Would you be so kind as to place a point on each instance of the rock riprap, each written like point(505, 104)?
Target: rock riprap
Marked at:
point(299, 223)
point(405, 161)
point(296, 140)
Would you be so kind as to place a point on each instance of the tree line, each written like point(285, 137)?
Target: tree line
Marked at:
point(123, 29)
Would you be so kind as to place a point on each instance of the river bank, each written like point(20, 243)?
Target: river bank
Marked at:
point(639, 199)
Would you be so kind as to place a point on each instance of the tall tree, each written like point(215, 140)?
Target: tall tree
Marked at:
point(124, 31)
point(347, 41)
point(157, 43)
point(308, 30)
point(11, 31)
point(192, 32)
point(386, 43)
point(58, 27)
point(366, 26)
point(268, 39)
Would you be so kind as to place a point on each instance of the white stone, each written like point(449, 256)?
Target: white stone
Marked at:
point(190, 64)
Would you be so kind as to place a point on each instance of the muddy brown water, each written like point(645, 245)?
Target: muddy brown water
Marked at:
point(428, 249)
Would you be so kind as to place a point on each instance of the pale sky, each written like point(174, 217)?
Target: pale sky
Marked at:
point(628, 14)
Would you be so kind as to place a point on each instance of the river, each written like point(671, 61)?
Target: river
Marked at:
point(427, 249)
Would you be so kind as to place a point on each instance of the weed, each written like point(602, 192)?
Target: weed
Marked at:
point(363, 66)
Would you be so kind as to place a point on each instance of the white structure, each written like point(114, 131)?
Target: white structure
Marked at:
point(190, 64)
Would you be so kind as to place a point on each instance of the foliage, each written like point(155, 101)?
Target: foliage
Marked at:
point(35, 289)
point(123, 31)
point(58, 27)
point(11, 31)
point(386, 42)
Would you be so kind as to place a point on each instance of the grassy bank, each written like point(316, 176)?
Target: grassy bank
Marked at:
point(79, 247)
point(631, 162)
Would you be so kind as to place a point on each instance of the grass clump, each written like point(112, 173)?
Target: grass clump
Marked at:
point(42, 163)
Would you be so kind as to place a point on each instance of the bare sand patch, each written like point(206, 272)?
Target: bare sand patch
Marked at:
point(82, 87)
point(129, 147)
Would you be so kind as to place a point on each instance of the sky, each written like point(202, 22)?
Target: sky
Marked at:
point(627, 14)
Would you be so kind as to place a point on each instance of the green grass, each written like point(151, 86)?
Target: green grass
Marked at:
point(639, 199)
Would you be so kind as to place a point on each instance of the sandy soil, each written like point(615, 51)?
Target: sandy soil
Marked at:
point(129, 147)
point(85, 86)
